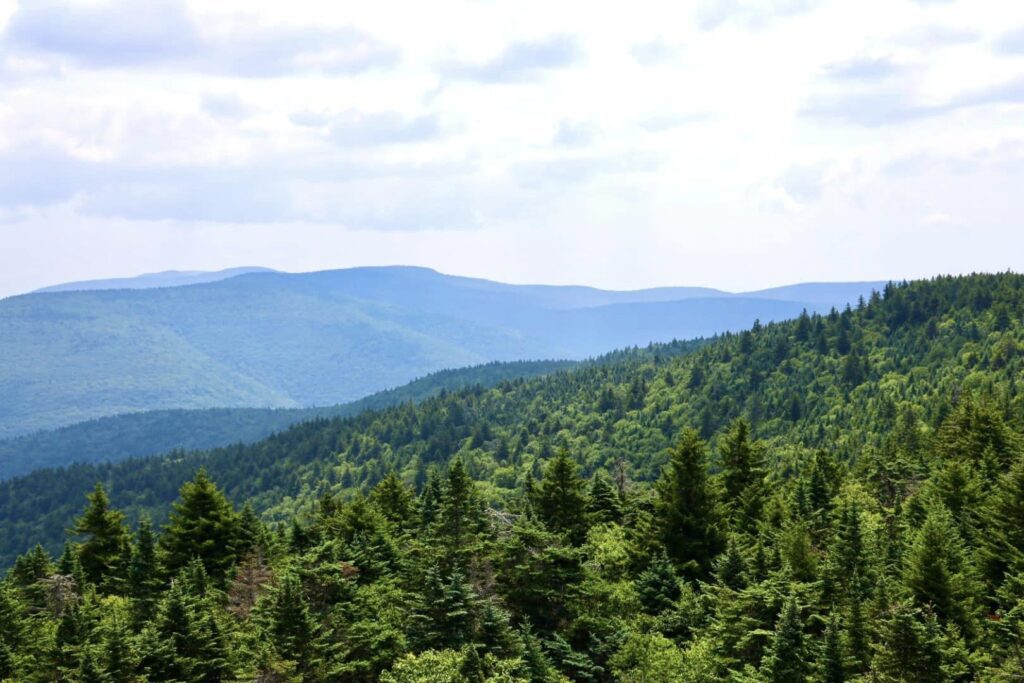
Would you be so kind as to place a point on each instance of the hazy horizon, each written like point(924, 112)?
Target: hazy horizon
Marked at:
point(737, 145)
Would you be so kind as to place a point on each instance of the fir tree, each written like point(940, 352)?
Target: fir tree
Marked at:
point(105, 540)
point(202, 525)
point(561, 501)
point(786, 661)
point(394, 499)
point(144, 582)
point(603, 504)
point(688, 522)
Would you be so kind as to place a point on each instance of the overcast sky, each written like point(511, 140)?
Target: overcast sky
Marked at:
point(737, 143)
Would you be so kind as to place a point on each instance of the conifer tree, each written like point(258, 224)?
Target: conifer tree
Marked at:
point(459, 515)
point(105, 540)
point(658, 585)
point(687, 519)
point(144, 582)
point(937, 573)
point(202, 525)
point(786, 661)
point(394, 499)
point(603, 504)
point(291, 627)
point(561, 501)
point(831, 663)
point(1002, 551)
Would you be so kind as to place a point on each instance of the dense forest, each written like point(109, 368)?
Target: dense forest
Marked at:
point(110, 439)
point(835, 498)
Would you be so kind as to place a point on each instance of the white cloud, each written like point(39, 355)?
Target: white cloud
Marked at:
point(516, 139)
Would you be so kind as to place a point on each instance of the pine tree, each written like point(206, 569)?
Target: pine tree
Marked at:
point(603, 504)
point(144, 582)
point(394, 499)
point(658, 586)
point(105, 540)
point(202, 525)
point(561, 501)
point(459, 515)
point(831, 662)
point(909, 648)
point(1002, 543)
point(185, 641)
point(291, 627)
point(451, 609)
point(685, 508)
point(937, 573)
point(786, 661)
point(741, 461)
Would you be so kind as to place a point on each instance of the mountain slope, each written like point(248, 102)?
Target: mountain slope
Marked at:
point(115, 438)
point(841, 381)
point(272, 339)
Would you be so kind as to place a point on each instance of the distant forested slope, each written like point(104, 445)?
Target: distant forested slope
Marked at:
point(279, 340)
point(110, 439)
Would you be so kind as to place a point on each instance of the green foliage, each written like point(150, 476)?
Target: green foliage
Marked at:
point(876, 538)
point(686, 508)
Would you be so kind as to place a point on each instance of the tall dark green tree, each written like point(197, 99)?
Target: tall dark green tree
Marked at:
point(786, 660)
point(688, 523)
point(105, 538)
point(203, 525)
point(561, 501)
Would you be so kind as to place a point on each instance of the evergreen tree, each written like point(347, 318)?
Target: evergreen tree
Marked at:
point(394, 499)
point(459, 515)
point(1002, 551)
point(937, 573)
point(144, 582)
point(291, 627)
point(603, 504)
point(831, 662)
point(786, 661)
point(105, 539)
point(202, 525)
point(561, 501)
point(687, 520)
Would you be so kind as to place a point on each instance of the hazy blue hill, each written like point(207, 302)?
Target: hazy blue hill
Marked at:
point(167, 278)
point(280, 340)
point(819, 292)
point(110, 439)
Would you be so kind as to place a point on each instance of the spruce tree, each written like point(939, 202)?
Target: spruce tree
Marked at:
point(394, 499)
point(459, 515)
point(291, 627)
point(603, 504)
point(561, 500)
point(937, 573)
point(831, 662)
point(786, 660)
point(1002, 543)
point(105, 539)
point(143, 573)
point(202, 525)
point(688, 523)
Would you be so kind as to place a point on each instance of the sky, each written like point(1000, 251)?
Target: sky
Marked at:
point(737, 143)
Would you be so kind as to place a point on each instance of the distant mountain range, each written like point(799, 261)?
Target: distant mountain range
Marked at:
point(167, 278)
point(279, 340)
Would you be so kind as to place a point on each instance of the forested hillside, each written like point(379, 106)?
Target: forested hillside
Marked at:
point(838, 497)
point(111, 439)
point(284, 340)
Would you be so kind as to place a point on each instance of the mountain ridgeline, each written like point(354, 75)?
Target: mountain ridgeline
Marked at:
point(281, 340)
point(838, 497)
point(111, 439)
